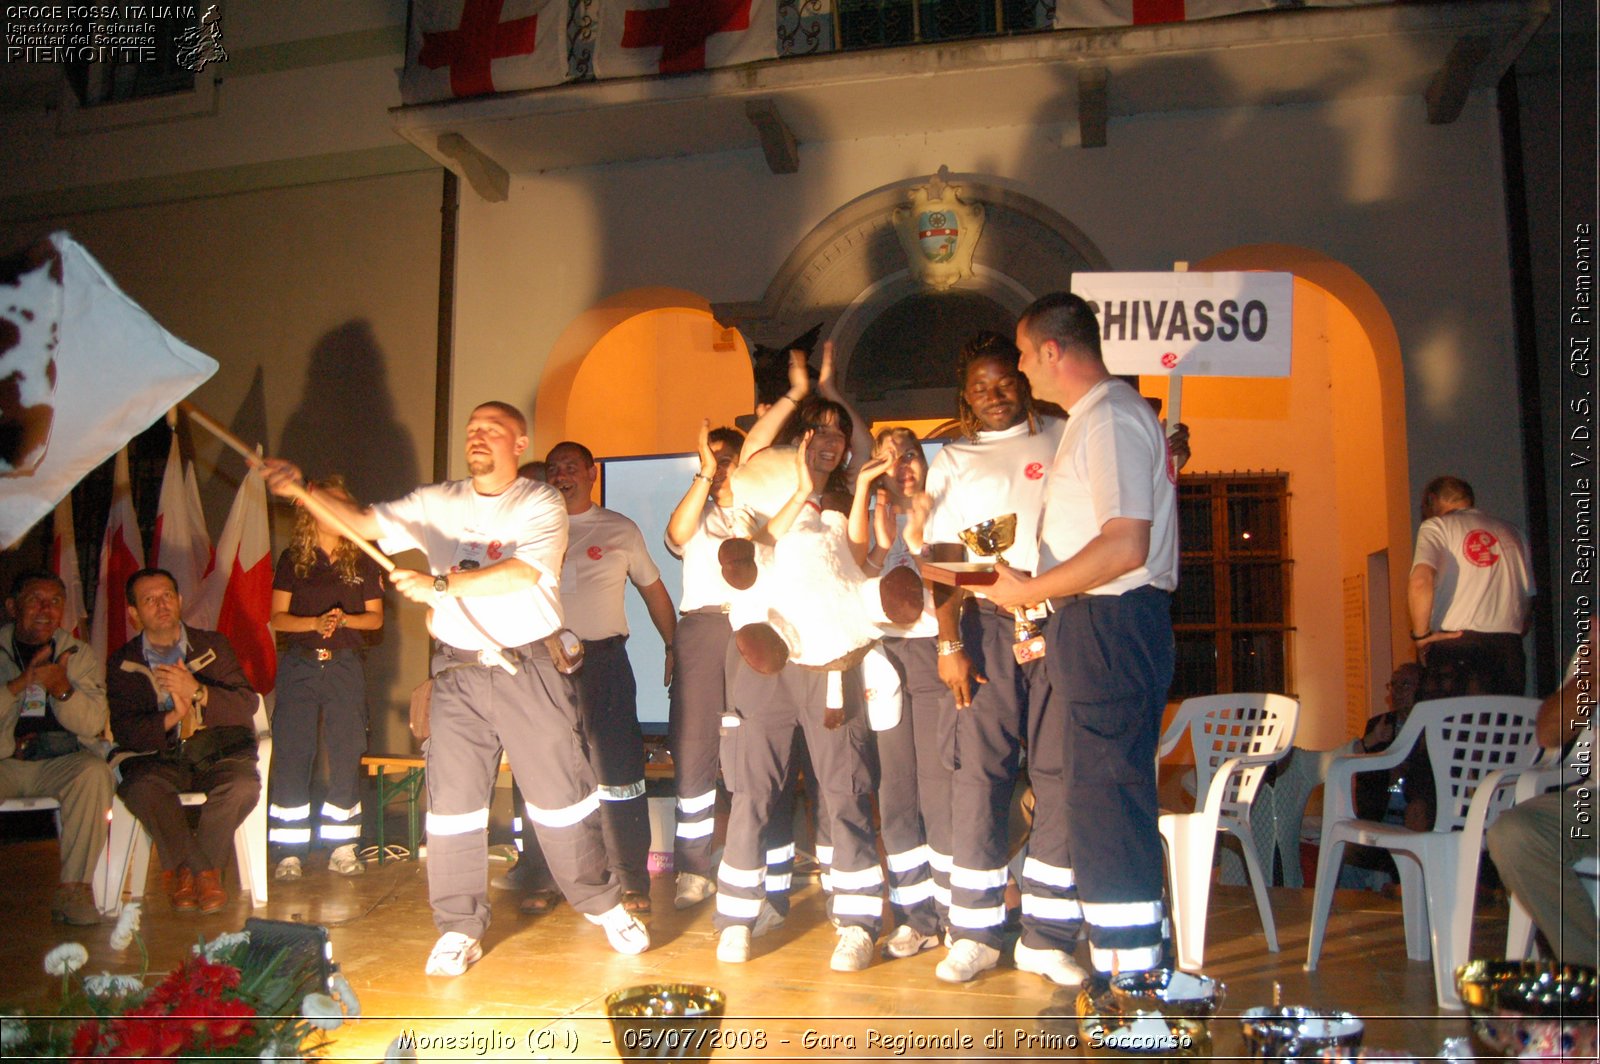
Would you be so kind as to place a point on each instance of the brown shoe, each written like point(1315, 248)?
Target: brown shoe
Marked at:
point(208, 888)
point(538, 903)
point(74, 904)
point(636, 902)
point(179, 886)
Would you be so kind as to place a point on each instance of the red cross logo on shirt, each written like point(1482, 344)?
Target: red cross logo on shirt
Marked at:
point(470, 48)
point(496, 548)
point(681, 29)
point(594, 553)
point(1034, 471)
point(1481, 548)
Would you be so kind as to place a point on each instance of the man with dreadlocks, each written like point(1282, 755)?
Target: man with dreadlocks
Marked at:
point(326, 595)
point(997, 469)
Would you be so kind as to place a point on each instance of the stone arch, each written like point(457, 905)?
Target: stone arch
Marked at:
point(850, 269)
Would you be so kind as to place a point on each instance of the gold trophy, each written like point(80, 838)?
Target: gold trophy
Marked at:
point(990, 539)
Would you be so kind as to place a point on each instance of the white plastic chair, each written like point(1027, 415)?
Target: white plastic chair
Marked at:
point(1550, 771)
point(129, 845)
point(1235, 738)
point(1478, 746)
point(39, 805)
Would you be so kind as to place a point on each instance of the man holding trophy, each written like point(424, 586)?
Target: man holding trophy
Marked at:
point(1108, 562)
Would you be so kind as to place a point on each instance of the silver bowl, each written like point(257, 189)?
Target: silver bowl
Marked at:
point(1273, 1033)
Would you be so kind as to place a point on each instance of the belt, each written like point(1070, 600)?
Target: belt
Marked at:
point(1060, 602)
point(321, 655)
point(468, 658)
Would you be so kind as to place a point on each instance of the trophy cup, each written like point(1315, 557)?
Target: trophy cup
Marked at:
point(990, 539)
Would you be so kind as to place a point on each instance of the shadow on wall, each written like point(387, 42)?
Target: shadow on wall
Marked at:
point(345, 423)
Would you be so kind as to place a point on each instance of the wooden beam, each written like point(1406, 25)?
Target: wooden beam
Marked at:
point(487, 177)
point(1447, 93)
point(777, 139)
point(1092, 105)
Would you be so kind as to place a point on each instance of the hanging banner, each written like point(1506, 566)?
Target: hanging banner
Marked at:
point(1193, 324)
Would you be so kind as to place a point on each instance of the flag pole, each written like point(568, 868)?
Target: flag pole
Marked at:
point(296, 491)
point(492, 656)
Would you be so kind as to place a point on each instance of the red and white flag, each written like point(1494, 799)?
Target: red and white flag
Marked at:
point(121, 555)
point(475, 47)
point(181, 545)
point(64, 563)
point(642, 37)
point(236, 599)
point(1088, 14)
point(83, 369)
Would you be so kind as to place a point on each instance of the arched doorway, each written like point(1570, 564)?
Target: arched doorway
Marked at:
point(1336, 427)
point(636, 373)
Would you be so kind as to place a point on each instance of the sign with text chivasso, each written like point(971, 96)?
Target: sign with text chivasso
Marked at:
point(1193, 324)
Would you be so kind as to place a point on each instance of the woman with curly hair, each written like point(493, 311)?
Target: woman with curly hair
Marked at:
point(326, 594)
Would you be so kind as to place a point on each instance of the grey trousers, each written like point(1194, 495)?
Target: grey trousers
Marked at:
point(1534, 846)
point(82, 783)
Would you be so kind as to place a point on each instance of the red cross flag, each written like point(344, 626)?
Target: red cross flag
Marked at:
point(476, 47)
point(180, 544)
point(82, 370)
point(64, 563)
point(236, 599)
point(640, 37)
point(1083, 14)
point(121, 555)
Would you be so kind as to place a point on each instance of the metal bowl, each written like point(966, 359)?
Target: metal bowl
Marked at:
point(1522, 1007)
point(1272, 1033)
point(666, 1021)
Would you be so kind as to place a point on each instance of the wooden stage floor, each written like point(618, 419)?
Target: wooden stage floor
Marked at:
point(543, 979)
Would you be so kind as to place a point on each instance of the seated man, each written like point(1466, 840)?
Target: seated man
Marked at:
point(1535, 844)
point(53, 703)
point(182, 715)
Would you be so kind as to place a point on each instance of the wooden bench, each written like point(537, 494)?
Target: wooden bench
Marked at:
point(412, 774)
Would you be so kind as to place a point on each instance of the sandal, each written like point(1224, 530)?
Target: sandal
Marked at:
point(538, 903)
point(636, 902)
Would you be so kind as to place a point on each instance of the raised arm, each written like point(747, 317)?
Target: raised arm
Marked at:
point(685, 519)
point(860, 434)
point(765, 430)
point(285, 479)
point(859, 530)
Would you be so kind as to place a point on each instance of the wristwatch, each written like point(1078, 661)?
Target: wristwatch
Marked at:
point(441, 584)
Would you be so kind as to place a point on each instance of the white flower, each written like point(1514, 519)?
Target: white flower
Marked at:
point(14, 1033)
point(127, 926)
point(65, 959)
point(107, 985)
point(346, 994)
point(270, 1053)
point(399, 1050)
point(322, 1011)
point(223, 943)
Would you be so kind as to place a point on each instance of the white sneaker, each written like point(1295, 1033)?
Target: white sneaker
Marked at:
point(906, 941)
point(967, 958)
point(626, 934)
point(854, 951)
point(288, 868)
point(692, 890)
point(733, 947)
point(453, 954)
point(343, 861)
point(1054, 964)
point(768, 920)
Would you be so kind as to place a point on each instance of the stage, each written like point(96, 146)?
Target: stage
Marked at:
point(538, 991)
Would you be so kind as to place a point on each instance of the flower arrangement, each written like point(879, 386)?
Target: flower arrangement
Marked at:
point(222, 1001)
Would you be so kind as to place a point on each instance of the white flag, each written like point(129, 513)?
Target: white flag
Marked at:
point(181, 545)
point(83, 369)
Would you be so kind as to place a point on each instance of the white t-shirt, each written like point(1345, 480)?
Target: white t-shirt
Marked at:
point(1112, 463)
point(460, 530)
point(899, 555)
point(703, 583)
point(996, 474)
point(604, 549)
point(1482, 576)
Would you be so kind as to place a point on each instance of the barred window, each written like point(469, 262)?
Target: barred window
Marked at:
point(873, 23)
point(1231, 615)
